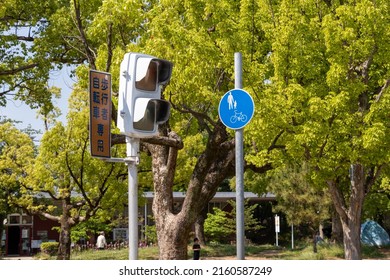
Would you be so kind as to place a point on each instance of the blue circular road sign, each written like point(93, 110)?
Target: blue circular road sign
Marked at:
point(236, 108)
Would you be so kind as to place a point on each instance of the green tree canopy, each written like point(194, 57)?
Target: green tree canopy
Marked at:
point(67, 185)
point(17, 152)
point(327, 98)
point(318, 71)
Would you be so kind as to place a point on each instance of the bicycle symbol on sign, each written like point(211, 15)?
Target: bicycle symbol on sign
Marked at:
point(238, 117)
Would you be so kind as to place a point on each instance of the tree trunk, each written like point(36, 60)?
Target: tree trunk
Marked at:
point(199, 226)
point(321, 230)
point(64, 239)
point(350, 214)
point(337, 228)
point(2, 217)
point(173, 238)
point(351, 234)
point(212, 167)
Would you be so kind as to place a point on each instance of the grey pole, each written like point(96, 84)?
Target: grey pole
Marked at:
point(239, 169)
point(277, 225)
point(132, 150)
point(145, 222)
point(292, 236)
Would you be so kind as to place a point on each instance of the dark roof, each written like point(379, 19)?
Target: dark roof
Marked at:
point(220, 196)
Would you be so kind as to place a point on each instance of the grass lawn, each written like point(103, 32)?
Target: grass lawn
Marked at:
point(301, 252)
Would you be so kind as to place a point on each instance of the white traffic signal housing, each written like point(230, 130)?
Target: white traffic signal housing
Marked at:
point(140, 107)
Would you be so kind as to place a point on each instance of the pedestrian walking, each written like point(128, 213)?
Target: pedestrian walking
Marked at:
point(101, 241)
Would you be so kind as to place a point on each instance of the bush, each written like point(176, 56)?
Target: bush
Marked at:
point(220, 226)
point(50, 248)
point(150, 234)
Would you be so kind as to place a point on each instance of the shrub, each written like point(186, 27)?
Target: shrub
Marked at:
point(50, 248)
point(150, 234)
point(220, 226)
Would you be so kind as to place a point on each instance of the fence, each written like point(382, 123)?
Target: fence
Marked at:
point(110, 246)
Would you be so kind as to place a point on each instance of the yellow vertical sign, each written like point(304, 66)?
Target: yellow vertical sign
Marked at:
point(100, 113)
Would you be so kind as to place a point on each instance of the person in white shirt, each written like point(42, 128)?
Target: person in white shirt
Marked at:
point(101, 241)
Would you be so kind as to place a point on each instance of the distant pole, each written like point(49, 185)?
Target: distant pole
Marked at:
point(292, 236)
point(239, 169)
point(145, 222)
point(277, 229)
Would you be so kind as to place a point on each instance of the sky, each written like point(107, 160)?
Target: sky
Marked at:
point(18, 111)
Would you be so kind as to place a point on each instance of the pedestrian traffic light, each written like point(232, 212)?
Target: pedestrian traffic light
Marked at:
point(140, 107)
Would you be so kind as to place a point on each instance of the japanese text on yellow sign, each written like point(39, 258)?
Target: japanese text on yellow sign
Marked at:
point(100, 113)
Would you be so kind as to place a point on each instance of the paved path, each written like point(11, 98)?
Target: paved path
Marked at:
point(14, 258)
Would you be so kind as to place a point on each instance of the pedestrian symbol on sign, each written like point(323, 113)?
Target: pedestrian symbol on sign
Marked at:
point(232, 103)
point(236, 108)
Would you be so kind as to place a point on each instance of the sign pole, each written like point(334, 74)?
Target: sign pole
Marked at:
point(292, 236)
point(239, 133)
point(132, 150)
point(277, 229)
point(236, 109)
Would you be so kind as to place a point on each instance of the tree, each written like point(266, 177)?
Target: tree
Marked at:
point(221, 225)
point(26, 58)
point(40, 37)
point(200, 39)
point(302, 202)
point(217, 226)
point(17, 152)
point(66, 184)
point(328, 95)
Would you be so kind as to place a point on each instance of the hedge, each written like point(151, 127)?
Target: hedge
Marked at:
point(50, 248)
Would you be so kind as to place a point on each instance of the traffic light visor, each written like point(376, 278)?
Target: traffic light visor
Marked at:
point(148, 112)
point(162, 111)
point(164, 71)
point(146, 74)
point(151, 72)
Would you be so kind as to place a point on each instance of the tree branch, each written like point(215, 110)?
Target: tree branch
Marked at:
point(45, 215)
point(202, 118)
point(18, 69)
point(259, 169)
point(273, 143)
point(19, 38)
point(372, 177)
point(156, 140)
point(88, 51)
point(173, 151)
point(338, 200)
point(383, 89)
point(109, 48)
